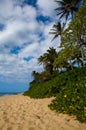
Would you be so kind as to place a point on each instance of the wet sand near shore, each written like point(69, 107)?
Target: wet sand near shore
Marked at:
point(19, 112)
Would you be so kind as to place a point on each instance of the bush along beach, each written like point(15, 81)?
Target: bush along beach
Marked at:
point(72, 98)
point(64, 75)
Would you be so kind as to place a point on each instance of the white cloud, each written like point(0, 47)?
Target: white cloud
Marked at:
point(8, 6)
point(18, 31)
point(22, 29)
point(46, 7)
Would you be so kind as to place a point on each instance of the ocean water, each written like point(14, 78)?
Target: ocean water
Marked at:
point(8, 94)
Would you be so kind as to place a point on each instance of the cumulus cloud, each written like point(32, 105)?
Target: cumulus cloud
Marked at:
point(24, 32)
point(8, 6)
point(46, 8)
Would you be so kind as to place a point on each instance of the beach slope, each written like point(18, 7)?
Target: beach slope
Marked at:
point(19, 112)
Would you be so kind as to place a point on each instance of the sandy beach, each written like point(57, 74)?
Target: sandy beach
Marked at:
point(19, 112)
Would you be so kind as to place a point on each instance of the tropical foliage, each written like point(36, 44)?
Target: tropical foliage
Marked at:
point(47, 59)
point(67, 8)
point(69, 88)
point(57, 30)
point(72, 96)
point(64, 75)
point(75, 34)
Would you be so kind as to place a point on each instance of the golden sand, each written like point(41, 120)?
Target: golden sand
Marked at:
point(19, 112)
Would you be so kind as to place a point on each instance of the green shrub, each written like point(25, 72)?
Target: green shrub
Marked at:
point(72, 97)
point(68, 87)
point(72, 100)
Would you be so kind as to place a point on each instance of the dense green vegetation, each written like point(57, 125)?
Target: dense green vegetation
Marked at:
point(72, 96)
point(68, 87)
point(60, 77)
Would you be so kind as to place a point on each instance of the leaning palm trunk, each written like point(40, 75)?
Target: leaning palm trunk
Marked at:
point(83, 53)
point(81, 38)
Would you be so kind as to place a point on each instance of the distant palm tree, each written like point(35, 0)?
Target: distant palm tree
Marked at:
point(57, 30)
point(67, 7)
point(47, 59)
point(35, 75)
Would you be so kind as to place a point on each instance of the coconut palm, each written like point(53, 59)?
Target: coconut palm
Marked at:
point(75, 34)
point(35, 75)
point(47, 59)
point(57, 30)
point(67, 7)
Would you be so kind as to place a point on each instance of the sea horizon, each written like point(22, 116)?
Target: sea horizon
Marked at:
point(9, 93)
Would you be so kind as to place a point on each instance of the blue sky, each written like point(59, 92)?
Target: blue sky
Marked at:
point(24, 36)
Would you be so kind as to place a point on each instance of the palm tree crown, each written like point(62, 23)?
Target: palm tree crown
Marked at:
point(67, 7)
point(47, 59)
point(57, 30)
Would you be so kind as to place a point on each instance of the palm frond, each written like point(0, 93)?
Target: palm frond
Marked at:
point(54, 37)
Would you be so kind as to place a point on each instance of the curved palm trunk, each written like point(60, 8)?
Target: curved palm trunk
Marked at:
point(83, 52)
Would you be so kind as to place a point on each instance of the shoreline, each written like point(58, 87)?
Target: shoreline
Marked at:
point(10, 93)
point(18, 112)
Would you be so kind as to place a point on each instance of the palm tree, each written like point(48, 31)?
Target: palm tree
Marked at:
point(57, 30)
point(67, 8)
point(35, 75)
point(75, 34)
point(47, 59)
